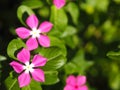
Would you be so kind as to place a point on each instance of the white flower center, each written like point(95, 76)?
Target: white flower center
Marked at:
point(28, 67)
point(35, 33)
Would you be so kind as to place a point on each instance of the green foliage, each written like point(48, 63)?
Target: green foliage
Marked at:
point(114, 55)
point(21, 11)
point(83, 36)
point(51, 77)
point(13, 46)
point(11, 83)
point(59, 18)
point(33, 3)
point(73, 10)
point(78, 64)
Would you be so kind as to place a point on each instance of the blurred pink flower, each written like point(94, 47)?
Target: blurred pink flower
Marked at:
point(27, 67)
point(36, 33)
point(59, 3)
point(76, 83)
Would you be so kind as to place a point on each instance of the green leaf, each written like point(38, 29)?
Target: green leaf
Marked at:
point(33, 86)
point(21, 11)
point(55, 58)
point(33, 3)
point(114, 55)
point(13, 46)
point(55, 42)
point(59, 19)
point(2, 58)
point(56, 54)
point(69, 31)
point(73, 9)
point(11, 84)
point(78, 61)
point(51, 77)
point(55, 63)
point(72, 41)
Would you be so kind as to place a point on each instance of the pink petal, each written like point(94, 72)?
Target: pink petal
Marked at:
point(31, 44)
point(44, 41)
point(45, 26)
point(23, 55)
point(24, 79)
point(81, 80)
point(69, 87)
point(23, 32)
point(83, 88)
point(71, 80)
point(32, 21)
point(39, 60)
point(17, 66)
point(38, 75)
point(59, 3)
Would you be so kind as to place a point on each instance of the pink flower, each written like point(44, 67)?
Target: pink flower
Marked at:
point(76, 83)
point(27, 67)
point(37, 33)
point(59, 3)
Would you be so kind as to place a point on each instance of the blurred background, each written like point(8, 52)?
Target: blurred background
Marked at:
point(96, 31)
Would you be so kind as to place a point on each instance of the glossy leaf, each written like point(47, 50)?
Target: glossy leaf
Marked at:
point(13, 46)
point(21, 11)
point(55, 57)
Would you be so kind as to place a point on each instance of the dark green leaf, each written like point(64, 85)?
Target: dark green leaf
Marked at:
point(114, 55)
point(11, 84)
point(78, 64)
point(51, 77)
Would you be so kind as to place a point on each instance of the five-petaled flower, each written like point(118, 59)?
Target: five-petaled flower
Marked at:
point(25, 68)
point(36, 33)
point(76, 83)
point(59, 3)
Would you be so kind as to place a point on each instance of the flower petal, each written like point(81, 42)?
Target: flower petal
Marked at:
point(23, 32)
point(45, 26)
point(81, 80)
point(32, 21)
point(44, 41)
point(17, 66)
point(69, 87)
point(83, 88)
point(24, 55)
point(39, 60)
point(59, 3)
point(24, 79)
point(71, 80)
point(31, 44)
point(38, 75)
